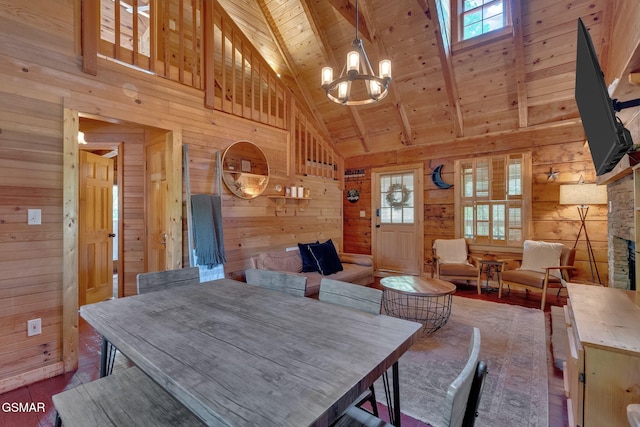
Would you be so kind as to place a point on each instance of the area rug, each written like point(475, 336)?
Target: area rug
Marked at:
point(513, 344)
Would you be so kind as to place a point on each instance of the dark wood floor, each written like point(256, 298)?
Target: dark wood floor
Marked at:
point(89, 362)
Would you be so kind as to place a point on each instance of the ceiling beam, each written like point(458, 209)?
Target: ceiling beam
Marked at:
point(348, 12)
point(607, 34)
point(444, 52)
point(290, 63)
point(521, 77)
point(399, 112)
point(329, 57)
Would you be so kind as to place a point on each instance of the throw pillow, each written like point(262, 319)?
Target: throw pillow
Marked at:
point(538, 255)
point(326, 258)
point(308, 262)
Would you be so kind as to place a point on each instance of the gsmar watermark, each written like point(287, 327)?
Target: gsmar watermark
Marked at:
point(23, 407)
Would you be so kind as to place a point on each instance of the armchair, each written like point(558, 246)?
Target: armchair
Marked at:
point(543, 265)
point(452, 261)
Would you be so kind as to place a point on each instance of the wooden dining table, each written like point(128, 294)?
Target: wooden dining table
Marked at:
point(241, 355)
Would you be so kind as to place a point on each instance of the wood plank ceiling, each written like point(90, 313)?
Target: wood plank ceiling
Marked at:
point(523, 79)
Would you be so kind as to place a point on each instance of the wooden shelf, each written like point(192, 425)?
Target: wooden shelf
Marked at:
point(282, 200)
point(247, 174)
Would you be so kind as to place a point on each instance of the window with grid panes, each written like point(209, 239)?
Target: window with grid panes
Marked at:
point(466, 23)
point(492, 199)
point(479, 17)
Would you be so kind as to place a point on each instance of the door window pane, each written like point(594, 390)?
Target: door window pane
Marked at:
point(397, 199)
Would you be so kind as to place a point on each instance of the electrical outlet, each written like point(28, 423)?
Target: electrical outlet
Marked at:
point(34, 327)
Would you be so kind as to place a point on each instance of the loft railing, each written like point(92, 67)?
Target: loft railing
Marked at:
point(162, 37)
point(312, 155)
point(196, 43)
point(193, 42)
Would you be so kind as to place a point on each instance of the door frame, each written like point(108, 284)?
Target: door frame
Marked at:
point(70, 162)
point(418, 169)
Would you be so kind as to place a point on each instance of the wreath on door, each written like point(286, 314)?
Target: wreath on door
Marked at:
point(398, 195)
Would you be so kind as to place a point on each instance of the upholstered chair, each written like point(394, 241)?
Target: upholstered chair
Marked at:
point(543, 265)
point(452, 261)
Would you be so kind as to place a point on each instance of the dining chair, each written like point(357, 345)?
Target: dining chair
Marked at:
point(278, 281)
point(162, 280)
point(461, 402)
point(477, 387)
point(360, 298)
point(149, 282)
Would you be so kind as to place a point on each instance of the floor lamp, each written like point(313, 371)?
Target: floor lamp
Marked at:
point(584, 195)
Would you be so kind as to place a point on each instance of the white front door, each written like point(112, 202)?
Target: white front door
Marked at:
point(398, 235)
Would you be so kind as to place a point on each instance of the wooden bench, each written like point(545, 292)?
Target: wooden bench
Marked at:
point(125, 398)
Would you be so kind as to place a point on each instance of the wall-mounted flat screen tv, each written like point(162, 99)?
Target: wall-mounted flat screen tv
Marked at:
point(608, 139)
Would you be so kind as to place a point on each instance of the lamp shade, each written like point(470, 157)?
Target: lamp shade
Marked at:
point(583, 194)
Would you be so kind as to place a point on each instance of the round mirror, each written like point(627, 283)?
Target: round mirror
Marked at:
point(245, 169)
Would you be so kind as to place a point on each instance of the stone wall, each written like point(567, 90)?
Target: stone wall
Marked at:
point(621, 229)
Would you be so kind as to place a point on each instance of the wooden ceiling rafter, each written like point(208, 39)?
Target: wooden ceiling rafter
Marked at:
point(347, 10)
point(399, 110)
point(330, 58)
point(290, 63)
point(521, 77)
point(518, 79)
point(607, 20)
point(444, 52)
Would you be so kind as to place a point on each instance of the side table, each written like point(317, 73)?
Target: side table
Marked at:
point(419, 299)
point(490, 266)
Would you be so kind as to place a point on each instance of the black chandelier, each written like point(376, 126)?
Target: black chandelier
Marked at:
point(368, 88)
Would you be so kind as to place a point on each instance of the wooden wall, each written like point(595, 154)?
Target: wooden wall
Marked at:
point(40, 75)
point(561, 148)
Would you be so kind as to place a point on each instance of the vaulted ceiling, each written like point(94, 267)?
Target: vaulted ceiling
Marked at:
point(522, 79)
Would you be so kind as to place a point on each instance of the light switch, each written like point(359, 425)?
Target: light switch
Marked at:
point(34, 216)
point(363, 214)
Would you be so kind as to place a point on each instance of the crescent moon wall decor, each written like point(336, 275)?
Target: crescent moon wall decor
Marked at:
point(436, 177)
